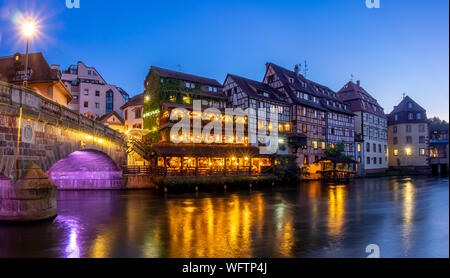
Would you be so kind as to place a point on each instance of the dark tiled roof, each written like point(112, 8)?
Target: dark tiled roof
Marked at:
point(186, 77)
point(403, 106)
point(41, 71)
point(134, 101)
point(300, 84)
point(105, 117)
point(252, 88)
point(326, 94)
point(353, 95)
point(402, 110)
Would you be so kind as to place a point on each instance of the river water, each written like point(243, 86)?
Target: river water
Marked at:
point(405, 217)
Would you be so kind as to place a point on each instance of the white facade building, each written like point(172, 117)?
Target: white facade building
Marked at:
point(371, 131)
point(92, 95)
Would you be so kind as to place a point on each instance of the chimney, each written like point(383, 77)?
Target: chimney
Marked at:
point(296, 69)
point(358, 83)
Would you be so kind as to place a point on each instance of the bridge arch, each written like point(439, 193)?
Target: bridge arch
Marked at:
point(48, 133)
point(86, 170)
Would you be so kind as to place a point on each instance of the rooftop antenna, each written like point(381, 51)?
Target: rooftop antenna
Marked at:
point(351, 77)
point(404, 95)
point(305, 69)
point(179, 67)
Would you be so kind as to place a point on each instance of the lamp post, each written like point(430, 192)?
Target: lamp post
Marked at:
point(28, 30)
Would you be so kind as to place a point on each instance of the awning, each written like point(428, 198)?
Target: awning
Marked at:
point(204, 150)
point(342, 159)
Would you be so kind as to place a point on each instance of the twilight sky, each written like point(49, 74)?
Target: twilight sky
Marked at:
point(403, 47)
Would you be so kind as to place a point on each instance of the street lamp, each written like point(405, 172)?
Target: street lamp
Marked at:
point(28, 30)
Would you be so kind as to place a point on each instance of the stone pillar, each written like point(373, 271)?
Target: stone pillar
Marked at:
point(31, 198)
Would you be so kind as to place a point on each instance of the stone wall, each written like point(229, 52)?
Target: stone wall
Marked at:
point(49, 132)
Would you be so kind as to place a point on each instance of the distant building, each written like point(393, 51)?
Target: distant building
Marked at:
point(114, 121)
point(92, 95)
point(196, 154)
point(439, 148)
point(132, 112)
point(245, 93)
point(319, 119)
point(167, 90)
point(370, 128)
point(41, 77)
point(408, 136)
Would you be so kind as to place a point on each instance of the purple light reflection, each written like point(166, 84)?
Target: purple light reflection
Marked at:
point(72, 223)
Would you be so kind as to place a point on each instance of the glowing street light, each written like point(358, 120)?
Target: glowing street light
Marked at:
point(28, 29)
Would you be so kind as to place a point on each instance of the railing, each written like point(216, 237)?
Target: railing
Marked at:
point(132, 170)
point(192, 172)
point(35, 104)
point(137, 147)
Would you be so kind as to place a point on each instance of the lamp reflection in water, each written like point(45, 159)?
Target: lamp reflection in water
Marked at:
point(214, 227)
point(336, 210)
point(408, 212)
point(72, 249)
point(285, 229)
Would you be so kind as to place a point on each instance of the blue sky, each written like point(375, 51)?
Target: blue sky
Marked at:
point(403, 47)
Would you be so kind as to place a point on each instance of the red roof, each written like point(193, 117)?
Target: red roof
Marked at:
point(358, 99)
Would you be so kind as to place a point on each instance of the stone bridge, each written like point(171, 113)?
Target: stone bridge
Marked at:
point(64, 143)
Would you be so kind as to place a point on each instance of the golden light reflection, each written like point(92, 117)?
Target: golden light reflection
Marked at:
point(216, 228)
point(336, 210)
point(408, 212)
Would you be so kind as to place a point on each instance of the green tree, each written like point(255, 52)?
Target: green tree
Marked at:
point(337, 151)
point(438, 121)
point(152, 100)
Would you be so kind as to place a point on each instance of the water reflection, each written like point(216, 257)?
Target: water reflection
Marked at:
point(309, 220)
point(72, 249)
point(336, 210)
point(408, 213)
point(219, 227)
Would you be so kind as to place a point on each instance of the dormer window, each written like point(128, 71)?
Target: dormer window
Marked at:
point(410, 116)
point(410, 105)
point(419, 116)
point(291, 80)
point(396, 117)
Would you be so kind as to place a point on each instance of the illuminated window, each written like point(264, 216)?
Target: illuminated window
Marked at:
point(186, 100)
point(395, 152)
point(315, 144)
point(422, 152)
point(287, 127)
point(305, 160)
point(324, 146)
point(280, 128)
point(359, 148)
point(408, 151)
point(172, 98)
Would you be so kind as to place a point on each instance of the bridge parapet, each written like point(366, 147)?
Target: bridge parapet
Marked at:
point(35, 105)
point(49, 131)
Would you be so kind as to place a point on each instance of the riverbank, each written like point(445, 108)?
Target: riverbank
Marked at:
point(397, 173)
